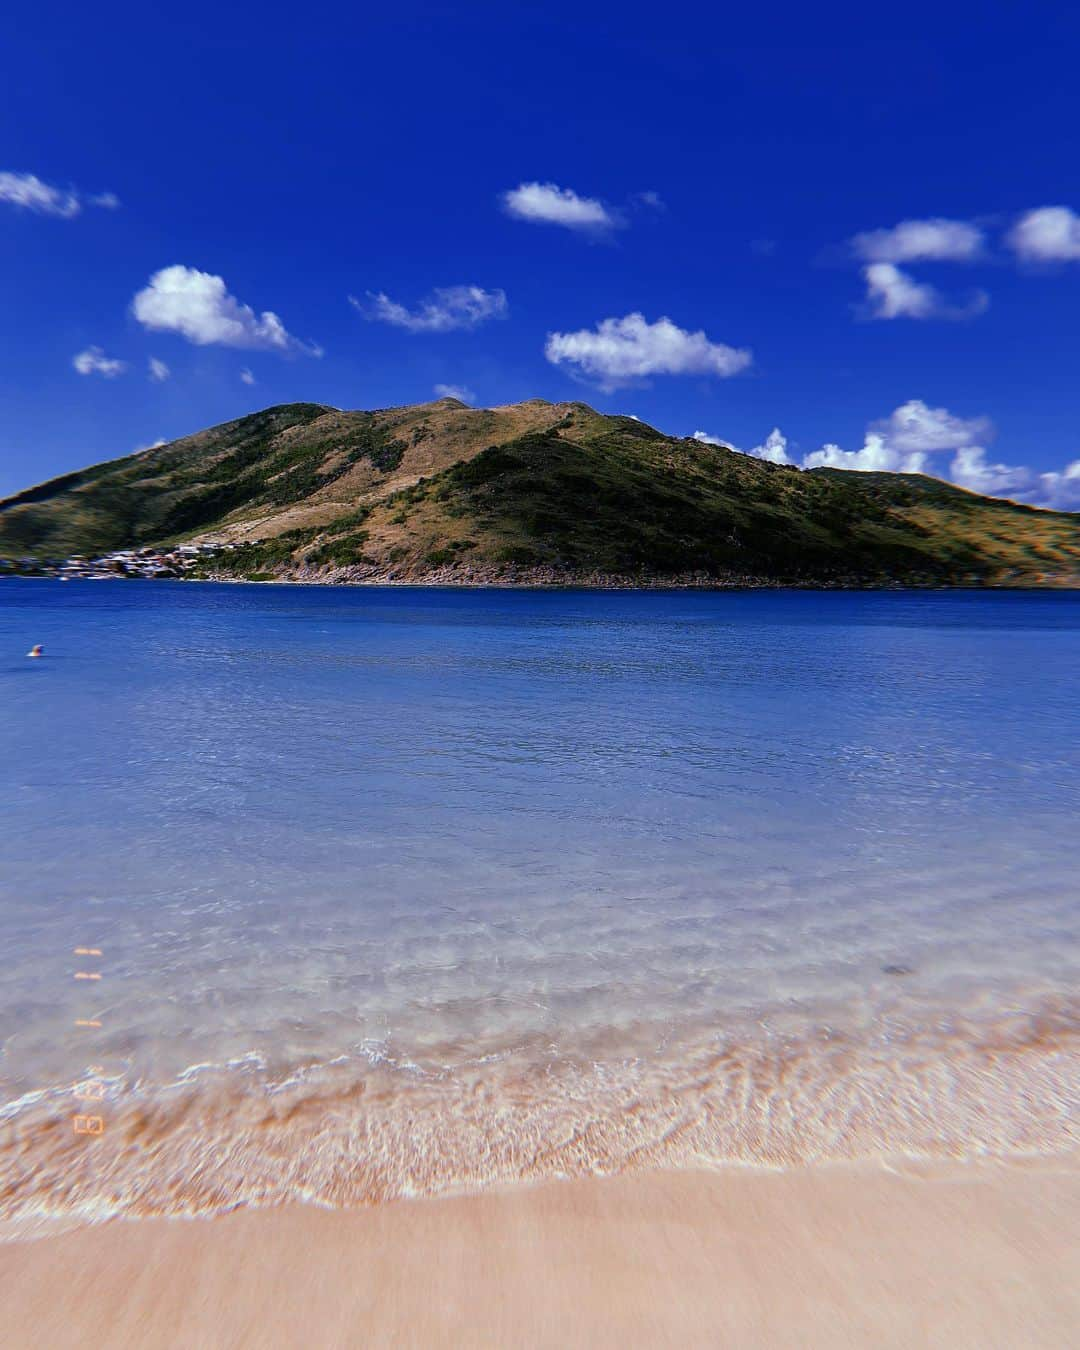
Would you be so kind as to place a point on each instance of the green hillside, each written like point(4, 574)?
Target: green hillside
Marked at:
point(534, 491)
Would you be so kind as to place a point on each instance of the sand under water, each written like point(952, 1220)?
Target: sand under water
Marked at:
point(348, 1134)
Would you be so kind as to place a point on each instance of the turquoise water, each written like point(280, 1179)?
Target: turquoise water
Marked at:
point(403, 889)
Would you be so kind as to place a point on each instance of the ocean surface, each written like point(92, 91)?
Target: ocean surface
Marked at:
point(403, 890)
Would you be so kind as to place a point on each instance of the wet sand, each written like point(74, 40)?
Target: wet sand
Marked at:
point(980, 1255)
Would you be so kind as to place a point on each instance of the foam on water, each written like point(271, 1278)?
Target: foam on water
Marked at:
point(399, 891)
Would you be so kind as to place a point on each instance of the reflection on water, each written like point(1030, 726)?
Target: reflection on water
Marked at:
point(396, 888)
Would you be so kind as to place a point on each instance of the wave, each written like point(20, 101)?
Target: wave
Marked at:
point(369, 1127)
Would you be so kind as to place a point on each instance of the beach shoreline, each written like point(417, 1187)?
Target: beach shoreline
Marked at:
point(375, 1128)
point(936, 1255)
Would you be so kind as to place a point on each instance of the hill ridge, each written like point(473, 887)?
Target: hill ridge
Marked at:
point(534, 490)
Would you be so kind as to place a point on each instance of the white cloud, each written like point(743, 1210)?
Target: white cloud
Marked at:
point(935, 240)
point(970, 469)
point(458, 391)
point(198, 306)
point(916, 428)
point(1060, 490)
point(906, 441)
point(903, 441)
point(27, 192)
point(620, 351)
point(549, 204)
point(1057, 490)
point(151, 445)
point(447, 308)
point(1047, 234)
point(159, 371)
point(894, 294)
point(773, 449)
point(875, 456)
point(93, 361)
point(247, 377)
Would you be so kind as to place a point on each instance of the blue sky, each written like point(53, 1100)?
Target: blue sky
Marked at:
point(359, 209)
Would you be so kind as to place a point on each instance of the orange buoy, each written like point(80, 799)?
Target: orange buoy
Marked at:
point(36, 650)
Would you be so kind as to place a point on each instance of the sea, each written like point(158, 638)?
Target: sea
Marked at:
point(339, 895)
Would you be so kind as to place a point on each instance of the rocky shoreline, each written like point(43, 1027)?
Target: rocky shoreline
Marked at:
point(546, 577)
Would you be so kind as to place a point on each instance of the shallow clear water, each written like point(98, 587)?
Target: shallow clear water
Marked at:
point(402, 889)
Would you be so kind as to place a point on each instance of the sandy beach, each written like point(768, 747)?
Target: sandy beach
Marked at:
point(981, 1255)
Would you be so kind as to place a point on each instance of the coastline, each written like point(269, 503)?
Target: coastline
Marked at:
point(545, 576)
point(942, 1255)
point(353, 1132)
point(599, 582)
